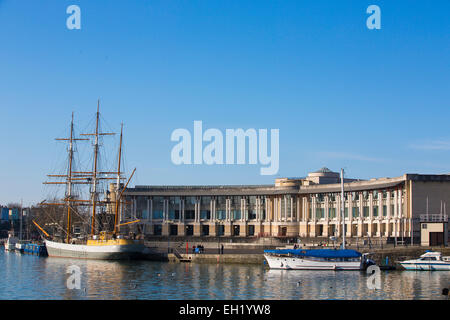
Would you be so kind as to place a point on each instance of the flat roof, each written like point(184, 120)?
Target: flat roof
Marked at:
point(237, 190)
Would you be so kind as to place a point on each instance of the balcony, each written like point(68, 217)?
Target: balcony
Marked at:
point(433, 218)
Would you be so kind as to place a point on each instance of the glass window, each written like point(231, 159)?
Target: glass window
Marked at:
point(332, 213)
point(190, 200)
point(205, 214)
point(365, 211)
point(221, 214)
point(320, 213)
point(157, 214)
point(189, 214)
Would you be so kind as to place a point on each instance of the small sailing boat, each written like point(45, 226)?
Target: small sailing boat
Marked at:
point(319, 259)
point(99, 244)
point(10, 244)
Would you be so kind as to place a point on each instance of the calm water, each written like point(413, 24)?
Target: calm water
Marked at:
point(31, 277)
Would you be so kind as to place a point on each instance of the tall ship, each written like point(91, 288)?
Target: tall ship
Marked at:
point(94, 197)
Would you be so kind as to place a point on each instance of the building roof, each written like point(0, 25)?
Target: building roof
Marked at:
point(255, 190)
point(323, 170)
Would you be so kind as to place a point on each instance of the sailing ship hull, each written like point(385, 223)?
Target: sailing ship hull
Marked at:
point(131, 249)
point(296, 263)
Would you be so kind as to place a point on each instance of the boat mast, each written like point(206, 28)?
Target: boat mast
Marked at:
point(94, 173)
point(69, 181)
point(116, 214)
point(343, 208)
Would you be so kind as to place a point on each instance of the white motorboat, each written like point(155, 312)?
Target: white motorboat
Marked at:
point(316, 259)
point(429, 261)
point(10, 244)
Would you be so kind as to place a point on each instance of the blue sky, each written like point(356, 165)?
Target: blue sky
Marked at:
point(375, 102)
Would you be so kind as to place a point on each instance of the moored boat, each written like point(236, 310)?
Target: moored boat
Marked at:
point(319, 259)
point(429, 261)
point(10, 244)
point(316, 259)
point(104, 240)
point(103, 249)
point(19, 247)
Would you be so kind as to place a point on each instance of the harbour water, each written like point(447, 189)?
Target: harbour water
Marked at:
point(31, 277)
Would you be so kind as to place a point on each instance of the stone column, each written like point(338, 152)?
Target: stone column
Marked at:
point(313, 209)
point(369, 226)
point(380, 213)
point(349, 220)
point(361, 215)
point(150, 212)
point(292, 209)
point(197, 213)
point(395, 204)
point(227, 210)
point(388, 205)
point(183, 215)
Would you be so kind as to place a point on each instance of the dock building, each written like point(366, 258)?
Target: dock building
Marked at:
point(308, 207)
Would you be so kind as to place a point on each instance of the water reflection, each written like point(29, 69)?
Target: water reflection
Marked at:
point(31, 277)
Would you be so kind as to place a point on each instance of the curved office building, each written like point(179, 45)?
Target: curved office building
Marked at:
point(295, 207)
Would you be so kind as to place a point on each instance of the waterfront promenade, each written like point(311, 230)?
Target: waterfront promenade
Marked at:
point(252, 253)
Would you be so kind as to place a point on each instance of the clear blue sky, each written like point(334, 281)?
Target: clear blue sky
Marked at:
point(375, 102)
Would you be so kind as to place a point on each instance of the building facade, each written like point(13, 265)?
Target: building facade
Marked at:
point(307, 207)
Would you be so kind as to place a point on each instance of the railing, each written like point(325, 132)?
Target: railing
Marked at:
point(433, 218)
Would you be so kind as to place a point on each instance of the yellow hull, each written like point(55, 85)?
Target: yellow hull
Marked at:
point(113, 242)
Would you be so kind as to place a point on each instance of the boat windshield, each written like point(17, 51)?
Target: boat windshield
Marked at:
point(428, 258)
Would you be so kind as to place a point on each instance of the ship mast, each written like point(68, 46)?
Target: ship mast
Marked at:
point(69, 180)
point(94, 177)
point(80, 177)
point(95, 173)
